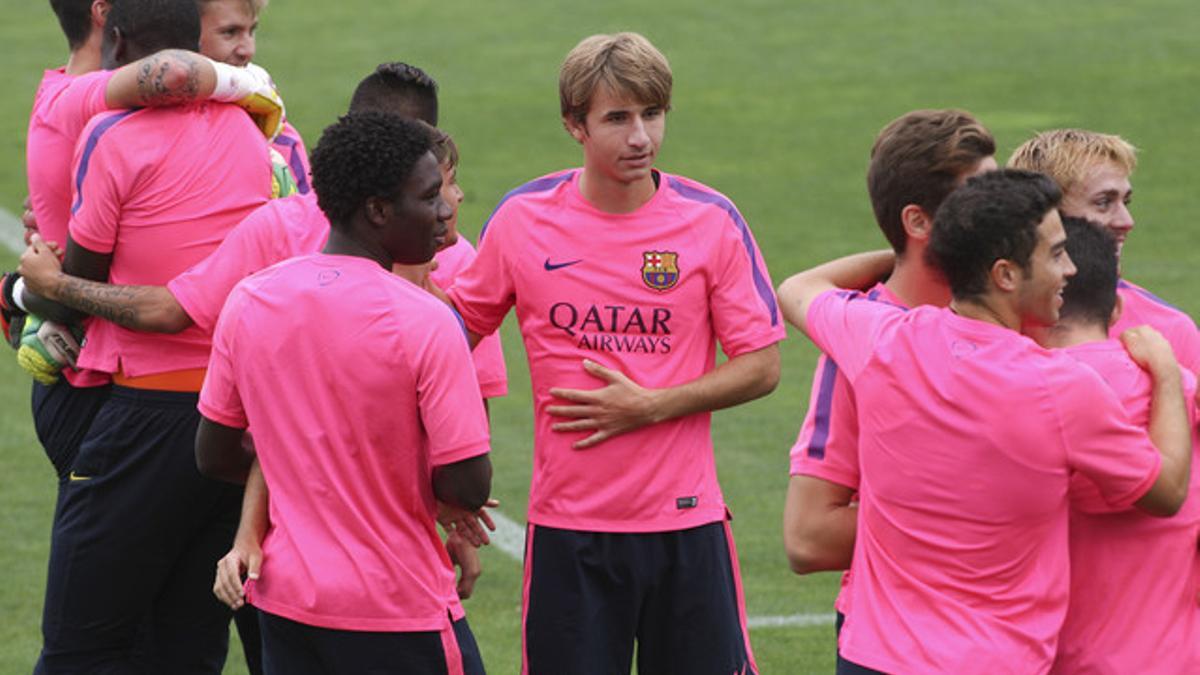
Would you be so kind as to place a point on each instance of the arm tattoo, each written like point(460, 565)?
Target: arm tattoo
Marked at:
point(118, 304)
point(160, 82)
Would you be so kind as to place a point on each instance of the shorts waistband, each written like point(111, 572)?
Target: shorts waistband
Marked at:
point(189, 380)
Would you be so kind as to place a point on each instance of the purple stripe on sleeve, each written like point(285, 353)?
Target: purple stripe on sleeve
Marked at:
point(295, 162)
point(539, 185)
point(89, 148)
point(1146, 294)
point(823, 415)
point(760, 279)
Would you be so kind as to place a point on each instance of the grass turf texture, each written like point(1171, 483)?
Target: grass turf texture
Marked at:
point(776, 105)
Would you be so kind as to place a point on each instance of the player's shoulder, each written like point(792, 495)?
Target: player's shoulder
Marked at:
point(689, 192)
point(54, 83)
point(535, 194)
point(1145, 304)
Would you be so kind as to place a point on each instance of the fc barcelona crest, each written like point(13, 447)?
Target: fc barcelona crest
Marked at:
point(660, 269)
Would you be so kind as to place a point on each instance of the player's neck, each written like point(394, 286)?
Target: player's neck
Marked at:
point(989, 309)
point(1067, 334)
point(343, 243)
point(86, 58)
point(613, 196)
point(915, 284)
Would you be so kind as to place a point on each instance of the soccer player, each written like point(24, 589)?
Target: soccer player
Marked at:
point(355, 578)
point(973, 435)
point(158, 188)
point(228, 34)
point(916, 161)
point(1092, 170)
point(629, 276)
point(66, 99)
point(1134, 578)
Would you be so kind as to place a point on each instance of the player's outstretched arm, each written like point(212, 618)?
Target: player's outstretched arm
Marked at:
point(244, 560)
point(464, 484)
point(145, 308)
point(1169, 425)
point(221, 453)
point(854, 271)
point(819, 525)
point(623, 405)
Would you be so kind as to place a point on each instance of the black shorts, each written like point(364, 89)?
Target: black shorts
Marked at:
point(135, 545)
point(589, 596)
point(62, 414)
point(293, 648)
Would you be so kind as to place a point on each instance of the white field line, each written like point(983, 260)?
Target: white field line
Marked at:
point(12, 232)
point(510, 538)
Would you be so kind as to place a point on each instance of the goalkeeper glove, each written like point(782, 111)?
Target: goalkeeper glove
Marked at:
point(283, 184)
point(251, 89)
point(12, 317)
point(46, 348)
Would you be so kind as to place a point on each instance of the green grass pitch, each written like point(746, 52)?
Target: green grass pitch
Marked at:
point(776, 105)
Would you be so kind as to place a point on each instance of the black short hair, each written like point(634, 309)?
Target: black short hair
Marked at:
point(153, 25)
point(364, 154)
point(400, 89)
point(75, 19)
point(994, 216)
point(1091, 294)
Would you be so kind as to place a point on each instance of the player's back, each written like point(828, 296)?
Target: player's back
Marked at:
point(968, 434)
point(1134, 577)
point(158, 189)
point(334, 360)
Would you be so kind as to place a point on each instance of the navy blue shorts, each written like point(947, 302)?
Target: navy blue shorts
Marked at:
point(589, 596)
point(62, 414)
point(135, 546)
point(293, 648)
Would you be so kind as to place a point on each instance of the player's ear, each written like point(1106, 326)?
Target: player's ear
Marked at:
point(917, 222)
point(1005, 275)
point(1116, 313)
point(377, 210)
point(100, 12)
point(576, 128)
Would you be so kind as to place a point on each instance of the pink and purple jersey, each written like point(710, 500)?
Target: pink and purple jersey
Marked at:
point(347, 450)
point(61, 109)
point(961, 560)
point(295, 226)
point(290, 146)
point(1134, 577)
point(488, 354)
point(1141, 307)
point(827, 447)
point(158, 189)
point(648, 293)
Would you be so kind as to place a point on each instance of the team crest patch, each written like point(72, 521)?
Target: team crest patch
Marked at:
point(660, 269)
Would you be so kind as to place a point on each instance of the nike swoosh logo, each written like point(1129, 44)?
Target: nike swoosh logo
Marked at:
point(550, 267)
point(76, 477)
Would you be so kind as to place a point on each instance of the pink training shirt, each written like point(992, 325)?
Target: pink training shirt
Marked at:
point(1141, 307)
point(294, 226)
point(348, 442)
point(647, 293)
point(1134, 577)
point(488, 354)
point(961, 560)
point(827, 447)
point(159, 188)
point(61, 109)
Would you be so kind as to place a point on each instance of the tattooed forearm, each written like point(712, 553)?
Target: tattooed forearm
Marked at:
point(118, 304)
point(169, 77)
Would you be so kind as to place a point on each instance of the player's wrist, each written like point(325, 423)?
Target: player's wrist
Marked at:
point(234, 83)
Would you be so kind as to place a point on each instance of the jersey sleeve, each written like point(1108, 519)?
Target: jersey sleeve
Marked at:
point(745, 312)
point(827, 447)
point(845, 325)
point(485, 291)
point(80, 100)
point(489, 367)
point(1103, 446)
point(220, 400)
point(202, 289)
point(100, 186)
point(448, 395)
